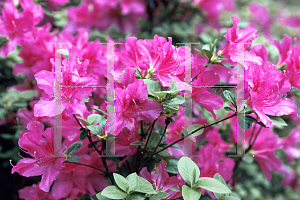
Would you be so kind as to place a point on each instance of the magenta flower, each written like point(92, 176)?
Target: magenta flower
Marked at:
point(263, 150)
point(209, 101)
point(19, 27)
point(132, 104)
point(46, 151)
point(162, 180)
point(283, 48)
point(293, 67)
point(290, 145)
point(266, 87)
point(73, 76)
point(34, 193)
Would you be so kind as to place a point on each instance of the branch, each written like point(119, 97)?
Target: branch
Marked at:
point(88, 166)
point(205, 126)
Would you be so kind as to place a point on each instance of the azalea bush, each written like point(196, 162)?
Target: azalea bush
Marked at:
point(117, 99)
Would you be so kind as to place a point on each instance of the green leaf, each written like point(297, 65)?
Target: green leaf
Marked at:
point(138, 143)
point(100, 197)
point(113, 192)
point(153, 140)
point(193, 128)
point(94, 119)
point(132, 180)
point(152, 86)
point(83, 134)
point(136, 196)
point(219, 178)
point(73, 148)
point(85, 100)
point(172, 166)
point(232, 198)
point(185, 132)
point(64, 52)
point(212, 185)
point(229, 109)
point(74, 159)
point(190, 194)
point(170, 109)
point(227, 65)
point(174, 189)
point(169, 120)
point(28, 94)
point(103, 122)
point(143, 186)
point(248, 121)
point(207, 53)
point(161, 94)
point(172, 94)
point(121, 182)
point(228, 95)
point(96, 129)
point(164, 153)
point(278, 121)
point(100, 111)
point(185, 168)
point(160, 195)
point(83, 120)
point(176, 101)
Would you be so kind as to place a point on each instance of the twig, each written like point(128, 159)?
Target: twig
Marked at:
point(88, 166)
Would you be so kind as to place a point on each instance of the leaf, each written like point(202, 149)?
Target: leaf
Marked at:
point(94, 119)
point(121, 182)
point(207, 53)
point(64, 52)
point(100, 197)
point(232, 198)
point(190, 194)
point(138, 143)
point(83, 120)
point(159, 195)
point(83, 134)
point(174, 189)
point(132, 180)
point(96, 129)
point(74, 159)
point(193, 128)
point(136, 196)
point(212, 185)
point(217, 176)
point(143, 186)
point(172, 166)
point(176, 101)
point(152, 86)
point(228, 95)
point(169, 120)
point(28, 94)
point(227, 65)
point(170, 109)
point(229, 109)
point(113, 192)
point(73, 148)
point(278, 121)
point(103, 122)
point(100, 111)
point(160, 94)
point(85, 100)
point(153, 140)
point(247, 123)
point(185, 168)
point(164, 153)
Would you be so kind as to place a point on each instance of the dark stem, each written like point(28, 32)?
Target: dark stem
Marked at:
point(151, 128)
point(154, 152)
point(139, 153)
point(99, 152)
point(88, 166)
point(205, 126)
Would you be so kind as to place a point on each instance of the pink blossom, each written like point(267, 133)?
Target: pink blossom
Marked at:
point(266, 87)
point(162, 180)
point(34, 193)
point(132, 104)
point(264, 148)
point(74, 75)
point(283, 48)
point(19, 27)
point(290, 177)
point(48, 157)
point(293, 67)
point(290, 145)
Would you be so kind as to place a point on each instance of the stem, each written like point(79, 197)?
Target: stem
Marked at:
point(99, 152)
point(152, 126)
point(153, 153)
point(88, 166)
point(138, 153)
point(205, 126)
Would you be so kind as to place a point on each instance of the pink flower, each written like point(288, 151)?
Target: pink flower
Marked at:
point(209, 101)
point(283, 47)
point(19, 27)
point(73, 76)
point(266, 86)
point(263, 150)
point(293, 67)
point(132, 104)
point(290, 145)
point(261, 17)
point(291, 177)
point(47, 152)
point(34, 193)
point(162, 180)
point(212, 161)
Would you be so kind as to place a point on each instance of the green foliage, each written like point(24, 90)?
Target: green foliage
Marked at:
point(74, 159)
point(185, 168)
point(94, 119)
point(73, 148)
point(190, 194)
point(228, 95)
